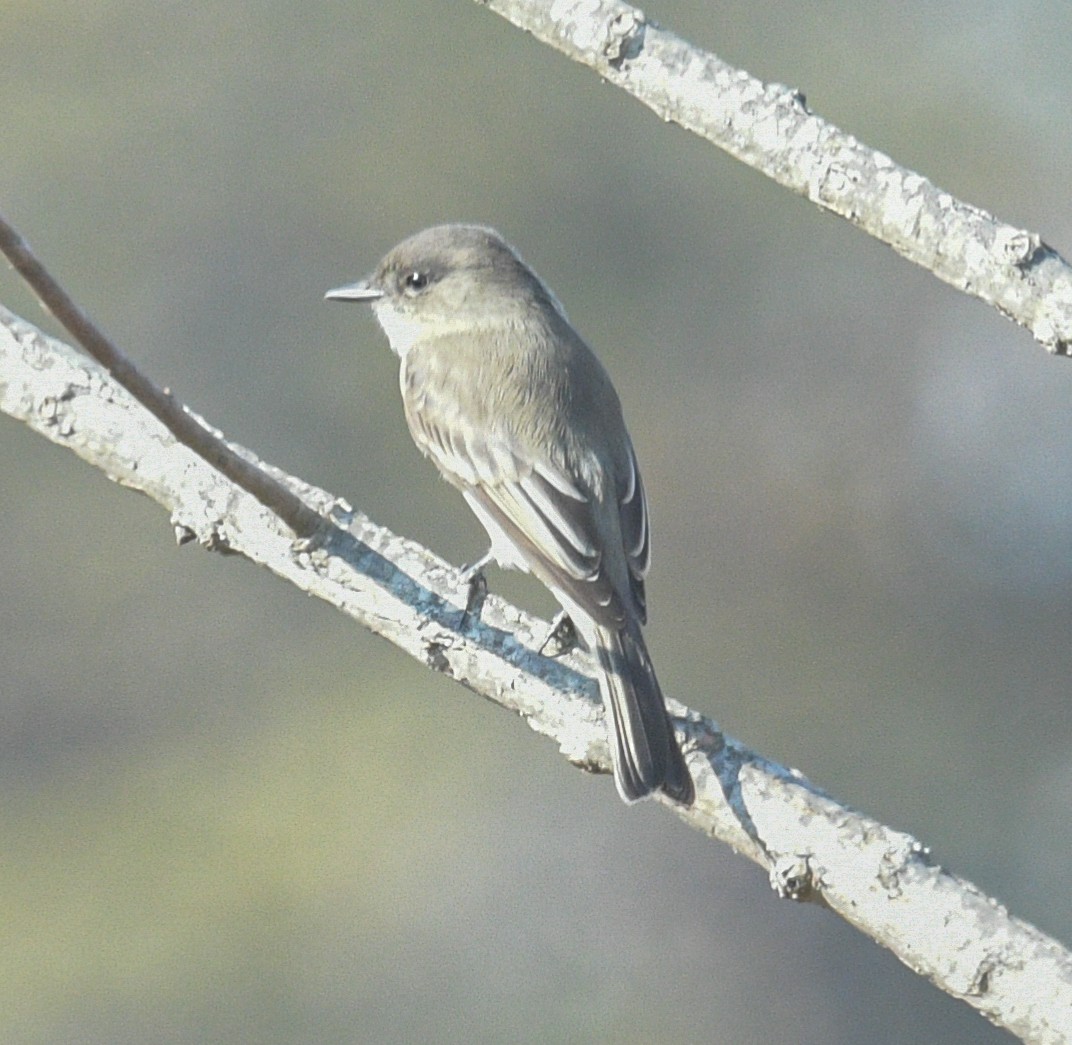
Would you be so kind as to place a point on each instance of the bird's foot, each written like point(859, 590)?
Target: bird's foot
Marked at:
point(561, 636)
point(472, 576)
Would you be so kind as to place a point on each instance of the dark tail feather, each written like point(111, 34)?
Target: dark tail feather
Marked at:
point(642, 742)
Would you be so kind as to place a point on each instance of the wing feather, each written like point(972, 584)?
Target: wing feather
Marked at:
point(636, 534)
point(548, 514)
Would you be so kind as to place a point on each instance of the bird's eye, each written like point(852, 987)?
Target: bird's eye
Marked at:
point(414, 282)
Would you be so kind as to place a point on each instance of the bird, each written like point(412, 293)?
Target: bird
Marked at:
point(516, 411)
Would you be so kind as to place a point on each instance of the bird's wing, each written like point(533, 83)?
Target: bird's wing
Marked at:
point(547, 515)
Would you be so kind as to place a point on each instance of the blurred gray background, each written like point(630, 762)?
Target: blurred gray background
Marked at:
point(230, 815)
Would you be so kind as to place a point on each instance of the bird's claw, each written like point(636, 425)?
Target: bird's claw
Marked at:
point(561, 637)
point(477, 592)
point(472, 576)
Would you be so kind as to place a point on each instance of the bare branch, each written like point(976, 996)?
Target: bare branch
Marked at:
point(812, 847)
point(769, 127)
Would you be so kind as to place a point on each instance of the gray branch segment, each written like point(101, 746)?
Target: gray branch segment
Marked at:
point(769, 127)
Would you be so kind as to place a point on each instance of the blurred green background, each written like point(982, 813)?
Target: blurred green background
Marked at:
point(229, 815)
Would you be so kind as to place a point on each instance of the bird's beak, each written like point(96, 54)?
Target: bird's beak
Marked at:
point(361, 291)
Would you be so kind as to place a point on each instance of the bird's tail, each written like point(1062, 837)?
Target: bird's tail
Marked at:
point(642, 742)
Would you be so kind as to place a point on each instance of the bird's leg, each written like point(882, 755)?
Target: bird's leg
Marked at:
point(473, 577)
point(469, 573)
point(561, 636)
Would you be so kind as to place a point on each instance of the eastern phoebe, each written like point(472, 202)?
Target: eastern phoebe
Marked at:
point(516, 411)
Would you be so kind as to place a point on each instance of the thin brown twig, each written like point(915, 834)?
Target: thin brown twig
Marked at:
point(187, 428)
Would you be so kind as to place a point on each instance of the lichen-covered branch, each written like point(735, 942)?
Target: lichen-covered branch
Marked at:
point(813, 848)
point(769, 127)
